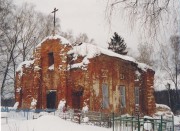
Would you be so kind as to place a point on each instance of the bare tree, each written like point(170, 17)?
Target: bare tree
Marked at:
point(76, 40)
point(6, 8)
point(145, 53)
point(150, 14)
point(45, 25)
point(26, 27)
point(69, 35)
point(168, 87)
point(170, 64)
point(8, 43)
point(34, 27)
point(175, 45)
point(82, 37)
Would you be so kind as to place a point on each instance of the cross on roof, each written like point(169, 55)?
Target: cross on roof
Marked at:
point(54, 11)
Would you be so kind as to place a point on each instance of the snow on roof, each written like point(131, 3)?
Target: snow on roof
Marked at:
point(51, 67)
point(62, 39)
point(88, 51)
point(163, 106)
point(20, 67)
point(163, 110)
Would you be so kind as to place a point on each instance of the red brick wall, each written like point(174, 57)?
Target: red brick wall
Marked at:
point(150, 92)
point(102, 69)
point(105, 69)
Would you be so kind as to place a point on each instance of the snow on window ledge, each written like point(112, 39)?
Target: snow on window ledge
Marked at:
point(51, 67)
point(18, 89)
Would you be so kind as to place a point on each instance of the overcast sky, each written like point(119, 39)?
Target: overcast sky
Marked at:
point(86, 16)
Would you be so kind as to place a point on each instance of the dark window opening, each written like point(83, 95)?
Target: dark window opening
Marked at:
point(70, 58)
point(51, 58)
point(51, 99)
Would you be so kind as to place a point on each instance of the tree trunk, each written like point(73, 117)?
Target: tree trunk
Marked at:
point(6, 70)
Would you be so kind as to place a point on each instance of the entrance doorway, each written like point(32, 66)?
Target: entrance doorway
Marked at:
point(76, 99)
point(51, 99)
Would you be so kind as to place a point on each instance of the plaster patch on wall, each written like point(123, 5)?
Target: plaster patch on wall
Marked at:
point(110, 92)
point(96, 87)
point(116, 98)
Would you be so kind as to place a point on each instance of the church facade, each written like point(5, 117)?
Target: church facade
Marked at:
point(84, 75)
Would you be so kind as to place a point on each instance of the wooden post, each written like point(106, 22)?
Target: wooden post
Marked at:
point(27, 114)
point(172, 123)
point(113, 120)
point(79, 118)
point(138, 124)
point(161, 124)
point(132, 123)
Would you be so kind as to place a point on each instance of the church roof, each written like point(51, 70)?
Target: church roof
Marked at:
point(89, 51)
point(63, 40)
point(24, 63)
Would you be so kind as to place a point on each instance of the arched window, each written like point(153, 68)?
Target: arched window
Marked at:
point(51, 58)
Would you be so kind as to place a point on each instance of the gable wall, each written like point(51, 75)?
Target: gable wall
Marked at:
point(106, 70)
point(54, 79)
point(42, 80)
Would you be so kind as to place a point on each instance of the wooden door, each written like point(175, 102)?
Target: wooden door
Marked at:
point(76, 99)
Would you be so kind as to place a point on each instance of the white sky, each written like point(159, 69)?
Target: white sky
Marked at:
point(86, 16)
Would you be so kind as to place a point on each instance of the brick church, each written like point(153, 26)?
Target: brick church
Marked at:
point(84, 75)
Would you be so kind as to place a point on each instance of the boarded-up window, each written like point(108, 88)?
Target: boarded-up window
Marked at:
point(51, 58)
point(123, 96)
point(105, 103)
point(136, 95)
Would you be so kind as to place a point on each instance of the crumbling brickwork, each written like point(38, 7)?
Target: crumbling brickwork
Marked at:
point(50, 77)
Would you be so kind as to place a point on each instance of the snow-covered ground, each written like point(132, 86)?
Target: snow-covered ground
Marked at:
point(17, 121)
point(45, 123)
